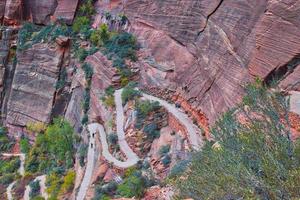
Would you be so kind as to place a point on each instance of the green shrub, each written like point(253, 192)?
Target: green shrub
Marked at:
point(87, 8)
point(84, 119)
point(179, 168)
point(166, 160)
point(6, 179)
point(52, 149)
point(38, 198)
point(68, 183)
point(129, 93)
point(35, 188)
point(80, 23)
point(62, 79)
point(133, 186)
point(164, 150)
point(9, 166)
point(81, 54)
point(109, 101)
point(24, 145)
point(25, 34)
point(123, 45)
point(5, 142)
point(143, 108)
point(112, 138)
point(100, 36)
point(256, 160)
point(53, 183)
point(152, 131)
point(83, 149)
point(36, 127)
point(88, 70)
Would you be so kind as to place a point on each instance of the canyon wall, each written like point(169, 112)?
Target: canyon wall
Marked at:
point(211, 48)
point(202, 52)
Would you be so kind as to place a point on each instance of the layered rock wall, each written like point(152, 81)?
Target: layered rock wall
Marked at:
point(38, 11)
point(34, 84)
point(215, 47)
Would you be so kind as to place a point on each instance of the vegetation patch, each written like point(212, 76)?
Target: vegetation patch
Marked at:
point(53, 149)
point(129, 93)
point(5, 142)
point(9, 170)
point(252, 160)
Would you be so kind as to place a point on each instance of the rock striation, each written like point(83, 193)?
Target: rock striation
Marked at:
point(37, 11)
point(34, 84)
point(215, 47)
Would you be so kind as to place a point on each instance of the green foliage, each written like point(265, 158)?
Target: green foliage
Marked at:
point(133, 186)
point(62, 79)
point(87, 9)
point(24, 145)
point(35, 188)
point(68, 183)
point(31, 34)
point(129, 93)
point(80, 23)
point(152, 131)
point(38, 198)
point(5, 143)
point(9, 166)
point(8, 170)
point(179, 168)
point(25, 34)
point(100, 36)
point(164, 150)
point(36, 127)
point(53, 183)
point(108, 99)
point(84, 119)
point(256, 160)
point(143, 108)
point(81, 54)
point(112, 138)
point(88, 71)
point(166, 160)
point(6, 179)
point(122, 46)
point(83, 149)
point(52, 149)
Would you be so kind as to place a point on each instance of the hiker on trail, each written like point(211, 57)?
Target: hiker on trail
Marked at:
point(93, 135)
point(91, 145)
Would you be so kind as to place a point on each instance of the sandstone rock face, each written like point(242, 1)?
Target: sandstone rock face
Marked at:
point(104, 75)
point(13, 11)
point(34, 83)
point(66, 10)
point(4, 51)
point(38, 11)
point(41, 10)
point(212, 48)
point(74, 111)
point(2, 8)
